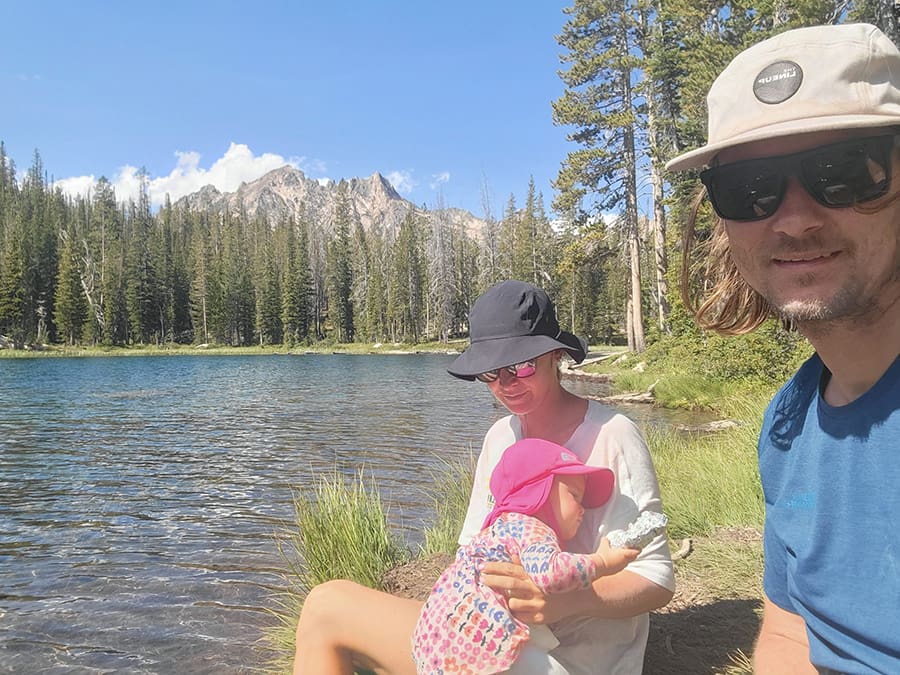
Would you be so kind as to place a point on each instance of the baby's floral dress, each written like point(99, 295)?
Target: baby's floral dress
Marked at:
point(465, 627)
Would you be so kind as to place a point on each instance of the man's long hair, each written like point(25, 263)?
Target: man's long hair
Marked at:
point(712, 289)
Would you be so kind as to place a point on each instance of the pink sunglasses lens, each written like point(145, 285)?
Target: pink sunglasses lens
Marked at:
point(526, 370)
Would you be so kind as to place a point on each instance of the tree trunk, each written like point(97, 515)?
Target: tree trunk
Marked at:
point(631, 225)
point(887, 18)
point(637, 318)
point(629, 325)
point(658, 224)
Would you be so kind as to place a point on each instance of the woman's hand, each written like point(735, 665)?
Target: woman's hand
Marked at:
point(526, 601)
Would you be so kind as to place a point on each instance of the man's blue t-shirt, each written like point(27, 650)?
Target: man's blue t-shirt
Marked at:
point(831, 478)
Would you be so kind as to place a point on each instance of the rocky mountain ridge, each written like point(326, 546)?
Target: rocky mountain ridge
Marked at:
point(287, 192)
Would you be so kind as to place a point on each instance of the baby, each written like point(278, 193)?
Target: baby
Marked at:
point(540, 490)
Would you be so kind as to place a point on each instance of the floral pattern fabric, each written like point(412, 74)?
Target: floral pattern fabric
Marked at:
point(466, 627)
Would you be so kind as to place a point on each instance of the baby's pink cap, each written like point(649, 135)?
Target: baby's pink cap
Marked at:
point(522, 479)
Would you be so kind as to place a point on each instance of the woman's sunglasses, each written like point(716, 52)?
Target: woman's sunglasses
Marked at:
point(519, 370)
point(837, 175)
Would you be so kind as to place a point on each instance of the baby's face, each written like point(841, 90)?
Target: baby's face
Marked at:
point(565, 500)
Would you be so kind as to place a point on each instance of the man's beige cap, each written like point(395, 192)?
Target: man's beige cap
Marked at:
point(803, 80)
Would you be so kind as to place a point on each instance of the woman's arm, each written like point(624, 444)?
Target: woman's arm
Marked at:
point(618, 596)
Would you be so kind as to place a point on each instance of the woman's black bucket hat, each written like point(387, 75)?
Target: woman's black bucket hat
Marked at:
point(512, 322)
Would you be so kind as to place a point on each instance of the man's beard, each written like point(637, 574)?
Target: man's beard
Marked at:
point(851, 303)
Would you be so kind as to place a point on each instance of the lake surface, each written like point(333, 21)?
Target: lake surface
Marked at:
point(140, 496)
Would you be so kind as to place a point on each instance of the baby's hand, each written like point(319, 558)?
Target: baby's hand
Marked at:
point(612, 560)
point(640, 532)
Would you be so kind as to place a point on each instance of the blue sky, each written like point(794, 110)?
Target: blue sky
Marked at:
point(440, 97)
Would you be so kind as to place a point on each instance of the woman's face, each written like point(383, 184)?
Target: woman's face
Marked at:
point(521, 395)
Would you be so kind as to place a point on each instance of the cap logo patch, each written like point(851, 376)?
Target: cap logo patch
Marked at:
point(777, 82)
point(566, 457)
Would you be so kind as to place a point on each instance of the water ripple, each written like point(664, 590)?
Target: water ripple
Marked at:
point(140, 497)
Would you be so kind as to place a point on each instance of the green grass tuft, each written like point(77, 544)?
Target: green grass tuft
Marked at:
point(341, 531)
point(451, 487)
point(708, 481)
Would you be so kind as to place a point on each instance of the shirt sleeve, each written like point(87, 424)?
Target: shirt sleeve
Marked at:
point(498, 438)
point(622, 448)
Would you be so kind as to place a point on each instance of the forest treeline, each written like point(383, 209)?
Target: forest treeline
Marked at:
point(91, 270)
point(96, 270)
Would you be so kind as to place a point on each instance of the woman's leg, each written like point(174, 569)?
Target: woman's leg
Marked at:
point(343, 623)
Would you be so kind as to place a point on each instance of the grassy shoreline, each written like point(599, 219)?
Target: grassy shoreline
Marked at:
point(57, 351)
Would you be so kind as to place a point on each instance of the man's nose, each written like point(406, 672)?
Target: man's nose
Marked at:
point(798, 213)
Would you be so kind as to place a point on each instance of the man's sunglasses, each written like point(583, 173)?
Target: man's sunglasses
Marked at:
point(837, 175)
point(520, 370)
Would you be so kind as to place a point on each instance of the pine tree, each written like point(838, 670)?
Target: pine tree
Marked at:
point(217, 314)
point(238, 303)
point(466, 277)
point(267, 288)
point(12, 288)
point(303, 283)
point(104, 268)
point(376, 290)
point(603, 42)
point(406, 288)
point(489, 252)
point(508, 244)
point(285, 252)
point(340, 273)
point(70, 310)
point(318, 275)
point(41, 214)
point(442, 292)
point(180, 277)
point(883, 13)
point(163, 263)
point(141, 285)
point(361, 273)
point(199, 293)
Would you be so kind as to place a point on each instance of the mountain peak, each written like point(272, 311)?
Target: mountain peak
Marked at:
point(385, 185)
point(286, 192)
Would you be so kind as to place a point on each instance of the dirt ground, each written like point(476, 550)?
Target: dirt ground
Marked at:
point(706, 629)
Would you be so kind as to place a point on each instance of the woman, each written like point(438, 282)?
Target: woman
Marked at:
point(516, 346)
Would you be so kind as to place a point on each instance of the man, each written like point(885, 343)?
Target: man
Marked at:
point(804, 174)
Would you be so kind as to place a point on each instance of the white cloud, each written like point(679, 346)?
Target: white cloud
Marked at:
point(77, 185)
point(402, 181)
point(438, 179)
point(236, 166)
